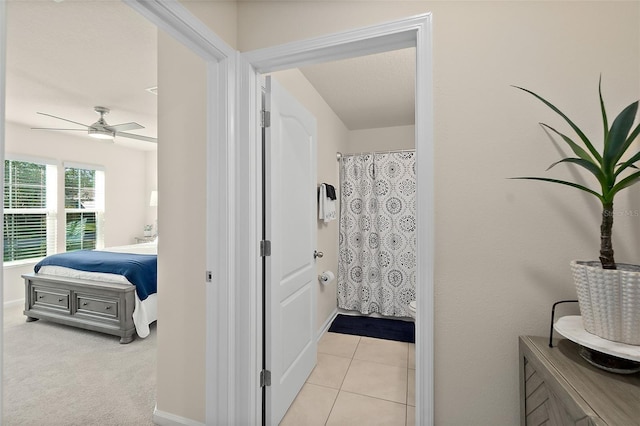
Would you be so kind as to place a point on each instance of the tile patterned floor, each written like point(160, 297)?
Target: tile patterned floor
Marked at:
point(358, 380)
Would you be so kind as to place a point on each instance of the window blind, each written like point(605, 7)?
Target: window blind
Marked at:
point(29, 210)
point(84, 208)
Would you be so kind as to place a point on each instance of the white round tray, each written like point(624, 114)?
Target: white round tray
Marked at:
point(571, 327)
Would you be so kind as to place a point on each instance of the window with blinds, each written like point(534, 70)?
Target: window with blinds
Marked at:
point(83, 202)
point(29, 210)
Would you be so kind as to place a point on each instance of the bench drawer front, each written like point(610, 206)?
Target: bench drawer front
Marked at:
point(48, 298)
point(96, 305)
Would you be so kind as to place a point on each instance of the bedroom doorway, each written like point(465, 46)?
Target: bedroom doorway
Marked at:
point(173, 18)
point(43, 64)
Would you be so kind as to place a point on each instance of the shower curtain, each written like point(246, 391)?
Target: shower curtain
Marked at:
point(377, 242)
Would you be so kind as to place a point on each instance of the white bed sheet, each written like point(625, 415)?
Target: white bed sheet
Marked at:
point(145, 311)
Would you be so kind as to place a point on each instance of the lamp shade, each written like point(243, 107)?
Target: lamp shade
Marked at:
point(153, 200)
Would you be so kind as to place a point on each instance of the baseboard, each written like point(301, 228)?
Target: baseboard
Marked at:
point(163, 418)
point(12, 303)
point(372, 315)
point(327, 323)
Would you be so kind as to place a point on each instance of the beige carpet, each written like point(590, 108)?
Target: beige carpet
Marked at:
point(59, 375)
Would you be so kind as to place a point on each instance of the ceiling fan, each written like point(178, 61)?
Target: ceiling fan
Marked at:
point(100, 129)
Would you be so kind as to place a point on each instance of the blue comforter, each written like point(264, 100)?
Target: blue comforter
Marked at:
point(140, 269)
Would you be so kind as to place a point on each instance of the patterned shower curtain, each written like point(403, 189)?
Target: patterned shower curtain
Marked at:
point(377, 244)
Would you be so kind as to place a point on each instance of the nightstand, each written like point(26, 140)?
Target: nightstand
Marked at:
point(558, 387)
point(144, 239)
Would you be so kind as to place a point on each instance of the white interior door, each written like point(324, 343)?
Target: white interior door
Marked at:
point(291, 197)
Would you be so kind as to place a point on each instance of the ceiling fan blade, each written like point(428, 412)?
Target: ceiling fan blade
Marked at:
point(56, 128)
point(126, 126)
point(60, 118)
point(139, 137)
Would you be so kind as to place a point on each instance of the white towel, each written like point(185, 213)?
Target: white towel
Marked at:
point(326, 206)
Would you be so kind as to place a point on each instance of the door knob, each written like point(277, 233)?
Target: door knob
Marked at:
point(317, 254)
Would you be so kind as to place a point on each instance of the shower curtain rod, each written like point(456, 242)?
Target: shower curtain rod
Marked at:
point(339, 155)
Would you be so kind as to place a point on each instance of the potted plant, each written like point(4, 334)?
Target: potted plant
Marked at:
point(608, 292)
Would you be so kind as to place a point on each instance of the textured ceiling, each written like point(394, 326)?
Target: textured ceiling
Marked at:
point(64, 58)
point(371, 91)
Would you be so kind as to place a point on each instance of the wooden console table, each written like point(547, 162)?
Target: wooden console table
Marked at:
point(558, 387)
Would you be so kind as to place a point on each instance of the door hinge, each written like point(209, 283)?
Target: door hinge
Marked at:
point(265, 248)
point(265, 118)
point(265, 378)
point(208, 276)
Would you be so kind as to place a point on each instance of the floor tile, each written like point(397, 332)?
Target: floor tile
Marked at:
point(311, 407)
point(382, 351)
point(351, 409)
point(412, 356)
point(377, 380)
point(411, 415)
point(411, 387)
point(329, 371)
point(338, 344)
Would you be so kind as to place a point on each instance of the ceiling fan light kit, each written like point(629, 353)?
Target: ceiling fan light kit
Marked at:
point(99, 129)
point(101, 134)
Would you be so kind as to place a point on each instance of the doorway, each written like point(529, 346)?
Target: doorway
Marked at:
point(50, 70)
point(175, 20)
point(371, 118)
point(412, 32)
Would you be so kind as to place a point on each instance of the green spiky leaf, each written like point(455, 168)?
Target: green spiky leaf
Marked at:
point(574, 146)
point(629, 163)
point(624, 183)
point(614, 145)
point(632, 137)
point(595, 170)
point(605, 122)
point(564, 182)
point(575, 128)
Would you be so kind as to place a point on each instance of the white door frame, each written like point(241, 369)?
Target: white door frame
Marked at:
point(3, 79)
point(220, 367)
point(410, 32)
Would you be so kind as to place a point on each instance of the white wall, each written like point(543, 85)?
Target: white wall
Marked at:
point(181, 216)
point(127, 174)
point(182, 224)
point(381, 139)
point(503, 246)
point(151, 160)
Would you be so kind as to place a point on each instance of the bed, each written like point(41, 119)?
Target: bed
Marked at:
point(112, 291)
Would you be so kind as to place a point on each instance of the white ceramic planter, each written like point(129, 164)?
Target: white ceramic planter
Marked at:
point(609, 300)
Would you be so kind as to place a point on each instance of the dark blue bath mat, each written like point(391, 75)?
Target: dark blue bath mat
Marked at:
point(381, 328)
